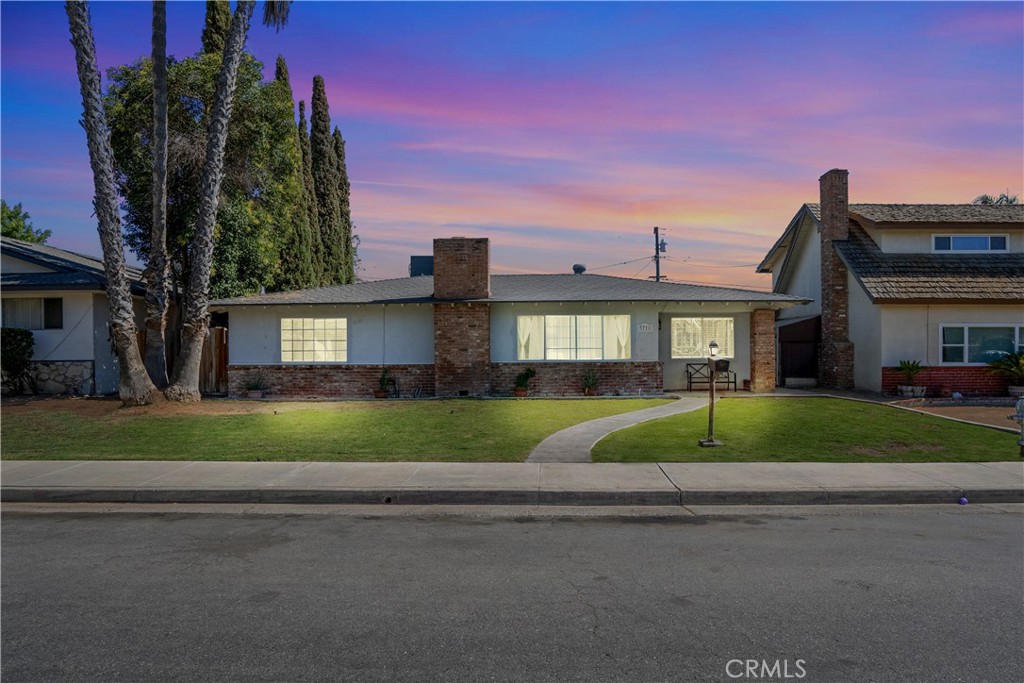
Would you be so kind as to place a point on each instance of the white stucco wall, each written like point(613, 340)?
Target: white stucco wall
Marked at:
point(72, 342)
point(804, 273)
point(10, 264)
point(865, 320)
point(904, 241)
point(912, 332)
point(394, 334)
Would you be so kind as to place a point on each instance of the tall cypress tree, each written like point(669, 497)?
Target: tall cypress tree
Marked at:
point(218, 21)
point(296, 264)
point(327, 185)
point(316, 245)
point(344, 191)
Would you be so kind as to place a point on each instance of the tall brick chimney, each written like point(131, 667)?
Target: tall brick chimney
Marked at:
point(462, 329)
point(835, 359)
point(462, 268)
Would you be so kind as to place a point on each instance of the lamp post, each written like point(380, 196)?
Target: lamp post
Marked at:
point(712, 378)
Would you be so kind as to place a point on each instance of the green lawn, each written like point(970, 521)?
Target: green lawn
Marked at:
point(456, 430)
point(806, 430)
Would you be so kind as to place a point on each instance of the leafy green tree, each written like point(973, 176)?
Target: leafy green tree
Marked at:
point(344, 189)
point(218, 22)
point(327, 186)
point(15, 224)
point(309, 193)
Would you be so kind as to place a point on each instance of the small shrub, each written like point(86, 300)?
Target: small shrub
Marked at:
point(910, 368)
point(1010, 366)
point(16, 359)
point(257, 381)
point(522, 380)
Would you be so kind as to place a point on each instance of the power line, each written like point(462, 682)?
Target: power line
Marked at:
point(645, 266)
point(623, 263)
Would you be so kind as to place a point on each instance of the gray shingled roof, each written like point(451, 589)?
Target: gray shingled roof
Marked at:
point(955, 278)
point(517, 288)
point(69, 269)
point(979, 214)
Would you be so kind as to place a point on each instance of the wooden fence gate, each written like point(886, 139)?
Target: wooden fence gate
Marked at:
point(213, 372)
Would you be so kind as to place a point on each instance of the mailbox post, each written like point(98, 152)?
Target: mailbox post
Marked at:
point(712, 378)
point(1019, 418)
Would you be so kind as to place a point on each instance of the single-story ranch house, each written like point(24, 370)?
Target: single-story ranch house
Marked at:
point(942, 284)
point(464, 332)
point(61, 297)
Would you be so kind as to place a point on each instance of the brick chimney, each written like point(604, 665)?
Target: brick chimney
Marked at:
point(462, 268)
point(835, 360)
point(462, 329)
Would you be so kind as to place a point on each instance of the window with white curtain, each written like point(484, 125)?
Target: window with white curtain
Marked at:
point(314, 340)
point(691, 336)
point(34, 313)
point(573, 337)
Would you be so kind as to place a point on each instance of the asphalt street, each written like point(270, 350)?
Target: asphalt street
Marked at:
point(923, 593)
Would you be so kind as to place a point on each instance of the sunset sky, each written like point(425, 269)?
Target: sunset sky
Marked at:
point(566, 131)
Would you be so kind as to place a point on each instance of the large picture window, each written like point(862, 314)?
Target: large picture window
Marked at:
point(691, 336)
point(573, 337)
point(979, 343)
point(314, 340)
point(34, 313)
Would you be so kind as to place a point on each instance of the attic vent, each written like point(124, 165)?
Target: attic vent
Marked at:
point(579, 268)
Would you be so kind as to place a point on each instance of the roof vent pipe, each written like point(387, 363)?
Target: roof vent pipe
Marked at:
point(579, 268)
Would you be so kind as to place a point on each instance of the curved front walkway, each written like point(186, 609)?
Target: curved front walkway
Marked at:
point(573, 444)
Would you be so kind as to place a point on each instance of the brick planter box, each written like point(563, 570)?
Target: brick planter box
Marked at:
point(968, 380)
point(332, 381)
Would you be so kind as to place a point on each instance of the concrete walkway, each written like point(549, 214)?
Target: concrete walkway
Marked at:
point(573, 444)
point(510, 483)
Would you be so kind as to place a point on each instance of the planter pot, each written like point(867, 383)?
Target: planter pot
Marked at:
point(911, 391)
point(520, 393)
point(254, 393)
point(1015, 391)
point(590, 391)
point(380, 393)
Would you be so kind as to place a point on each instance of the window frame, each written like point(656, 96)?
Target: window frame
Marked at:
point(989, 235)
point(573, 350)
point(1018, 341)
point(334, 361)
point(722, 353)
point(43, 301)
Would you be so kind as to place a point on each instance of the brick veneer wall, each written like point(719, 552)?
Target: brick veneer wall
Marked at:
point(462, 349)
point(462, 268)
point(566, 378)
point(835, 360)
point(332, 381)
point(762, 350)
point(969, 381)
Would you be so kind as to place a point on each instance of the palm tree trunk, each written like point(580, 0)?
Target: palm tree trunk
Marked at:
point(185, 380)
point(157, 274)
point(134, 384)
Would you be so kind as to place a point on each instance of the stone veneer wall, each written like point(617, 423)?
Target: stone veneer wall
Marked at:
point(332, 381)
point(64, 376)
point(835, 358)
point(462, 349)
point(762, 351)
point(969, 381)
point(565, 378)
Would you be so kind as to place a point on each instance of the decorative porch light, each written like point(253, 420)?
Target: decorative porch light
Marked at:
point(712, 378)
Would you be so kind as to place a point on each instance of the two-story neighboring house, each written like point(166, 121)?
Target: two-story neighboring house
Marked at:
point(942, 284)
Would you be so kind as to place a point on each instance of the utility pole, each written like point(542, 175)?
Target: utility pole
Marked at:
point(659, 249)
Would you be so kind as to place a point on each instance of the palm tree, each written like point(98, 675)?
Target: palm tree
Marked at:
point(157, 274)
point(988, 199)
point(134, 385)
point(185, 380)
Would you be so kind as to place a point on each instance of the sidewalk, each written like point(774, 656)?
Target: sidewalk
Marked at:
point(511, 483)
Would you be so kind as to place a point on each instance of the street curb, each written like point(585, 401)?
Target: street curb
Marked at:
point(511, 497)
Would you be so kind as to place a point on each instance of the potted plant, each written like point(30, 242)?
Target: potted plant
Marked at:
point(384, 384)
point(255, 384)
point(521, 384)
point(589, 382)
point(1010, 366)
point(910, 368)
